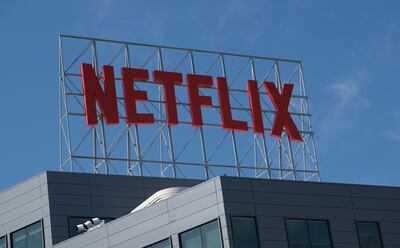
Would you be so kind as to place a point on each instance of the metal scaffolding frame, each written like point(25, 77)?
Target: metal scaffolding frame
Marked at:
point(182, 151)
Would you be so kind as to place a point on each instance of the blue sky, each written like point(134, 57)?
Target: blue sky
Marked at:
point(350, 52)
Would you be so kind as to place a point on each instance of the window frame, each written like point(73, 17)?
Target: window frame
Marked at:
point(255, 222)
point(42, 229)
point(370, 222)
point(169, 241)
point(308, 229)
point(205, 223)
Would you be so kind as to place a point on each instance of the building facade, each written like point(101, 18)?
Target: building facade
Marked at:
point(222, 212)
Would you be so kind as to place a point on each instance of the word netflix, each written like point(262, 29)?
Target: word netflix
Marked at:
point(107, 100)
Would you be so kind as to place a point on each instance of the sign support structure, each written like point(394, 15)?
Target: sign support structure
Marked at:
point(183, 150)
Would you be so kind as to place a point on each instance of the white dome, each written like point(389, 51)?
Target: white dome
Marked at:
point(159, 196)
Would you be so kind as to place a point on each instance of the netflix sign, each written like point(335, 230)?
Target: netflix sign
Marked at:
point(105, 97)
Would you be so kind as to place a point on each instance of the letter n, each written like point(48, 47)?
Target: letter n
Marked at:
point(93, 93)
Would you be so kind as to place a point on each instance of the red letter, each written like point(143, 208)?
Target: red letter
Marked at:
point(132, 96)
point(255, 106)
point(168, 80)
point(195, 100)
point(225, 108)
point(92, 93)
point(282, 116)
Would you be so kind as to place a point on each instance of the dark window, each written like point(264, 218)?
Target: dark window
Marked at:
point(245, 232)
point(73, 221)
point(162, 244)
point(205, 236)
point(369, 235)
point(308, 234)
point(3, 243)
point(28, 237)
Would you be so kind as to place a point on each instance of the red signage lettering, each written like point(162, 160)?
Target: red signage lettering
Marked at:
point(169, 79)
point(129, 75)
point(195, 100)
point(255, 106)
point(107, 100)
point(225, 108)
point(92, 93)
point(282, 116)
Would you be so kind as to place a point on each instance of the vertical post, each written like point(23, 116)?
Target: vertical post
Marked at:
point(136, 131)
point(303, 111)
point(277, 79)
point(65, 99)
point(281, 144)
point(314, 149)
point(235, 153)
point(60, 112)
point(161, 127)
point(264, 142)
point(171, 145)
point(203, 147)
point(138, 150)
point(103, 135)
point(128, 134)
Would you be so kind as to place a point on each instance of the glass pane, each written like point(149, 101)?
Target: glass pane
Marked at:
point(3, 242)
point(19, 239)
point(369, 235)
point(191, 239)
point(319, 234)
point(162, 244)
point(297, 233)
point(211, 235)
point(244, 232)
point(34, 235)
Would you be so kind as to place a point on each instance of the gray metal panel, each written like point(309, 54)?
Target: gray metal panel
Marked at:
point(69, 188)
point(154, 235)
point(302, 199)
point(340, 204)
point(196, 219)
point(345, 237)
point(273, 243)
point(19, 201)
point(133, 232)
point(343, 245)
point(138, 218)
point(102, 243)
point(376, 203)
point(312, 188)
point(270, 222)
point(68, 178)
point(116, 191)
point(377, 215)
point(24, 204)
point(193, 207)
point(19, 189)
point(342, 225)
point(274, 234)
point(19, 222)
point(366, 191)
point(115, 180)
point(390, 227)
